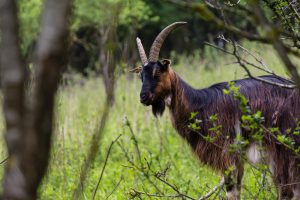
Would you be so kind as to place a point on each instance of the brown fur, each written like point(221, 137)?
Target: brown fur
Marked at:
point(279, 106)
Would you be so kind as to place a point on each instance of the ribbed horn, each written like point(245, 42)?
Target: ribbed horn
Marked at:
point(143, 55)
point(155, 48)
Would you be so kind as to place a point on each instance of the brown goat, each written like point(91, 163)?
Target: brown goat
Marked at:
point(280, 108)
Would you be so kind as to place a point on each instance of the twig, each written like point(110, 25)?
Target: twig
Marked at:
point(209, 16)
point(259, 60)
point(277, 44)
point(288, 86)
point(245, 61)
point(105, 162)
point(294, 10)
point(136, 192)
point(289, 184)
point(138, 168)
point(282, 143)
point(215, 189)
point(174, 188)
point(116, 186)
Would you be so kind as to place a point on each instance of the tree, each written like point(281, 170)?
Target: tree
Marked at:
point(276, 22)
point(29, 116)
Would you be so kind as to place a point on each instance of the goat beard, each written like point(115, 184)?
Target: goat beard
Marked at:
point(158, 107)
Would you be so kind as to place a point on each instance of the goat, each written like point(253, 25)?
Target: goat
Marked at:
point(162, 87)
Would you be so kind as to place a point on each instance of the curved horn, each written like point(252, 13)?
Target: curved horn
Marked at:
point(155, 48)
point(141, 51)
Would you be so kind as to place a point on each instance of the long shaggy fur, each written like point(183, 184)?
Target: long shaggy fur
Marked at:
point(280, 108)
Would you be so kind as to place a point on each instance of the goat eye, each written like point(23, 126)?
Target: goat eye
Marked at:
point(155, 73)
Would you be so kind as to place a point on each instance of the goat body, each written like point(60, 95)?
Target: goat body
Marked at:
point(280, 108)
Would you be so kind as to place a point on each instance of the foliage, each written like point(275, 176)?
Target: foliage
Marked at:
point(30, 15)
point(97, 12)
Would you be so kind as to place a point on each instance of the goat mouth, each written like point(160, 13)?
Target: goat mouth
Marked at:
point(146, 102)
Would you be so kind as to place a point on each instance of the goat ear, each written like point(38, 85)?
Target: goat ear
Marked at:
point(136, 70)
point(165, 64)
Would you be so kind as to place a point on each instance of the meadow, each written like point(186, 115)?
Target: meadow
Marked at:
point(149, 159)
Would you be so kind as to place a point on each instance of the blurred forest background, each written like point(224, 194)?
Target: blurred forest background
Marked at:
point(91, 20)
point(105, 144)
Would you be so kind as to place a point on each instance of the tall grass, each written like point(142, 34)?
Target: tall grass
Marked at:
point(79, 105)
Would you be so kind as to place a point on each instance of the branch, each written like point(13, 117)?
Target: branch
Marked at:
point(116, 186)
point(209, 16)
point(277, 44)
point(174, 188)
point(288, 86)
point(215, 189)
point(134, 193)
point(243, 62)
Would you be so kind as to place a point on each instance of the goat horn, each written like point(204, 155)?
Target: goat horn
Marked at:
point(155, 48)
point(141, 51)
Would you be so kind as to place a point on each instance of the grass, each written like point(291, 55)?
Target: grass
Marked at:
point(78, 110)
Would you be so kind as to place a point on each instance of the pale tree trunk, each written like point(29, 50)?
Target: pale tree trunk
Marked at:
point(29, 121)
point(107, 58)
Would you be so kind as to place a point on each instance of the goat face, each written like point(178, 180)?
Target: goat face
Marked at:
point(156, 86)
point(155, 74)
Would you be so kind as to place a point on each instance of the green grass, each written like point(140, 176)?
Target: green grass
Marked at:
point(78, 109)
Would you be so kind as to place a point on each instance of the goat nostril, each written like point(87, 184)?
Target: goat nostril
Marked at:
point(144, 97)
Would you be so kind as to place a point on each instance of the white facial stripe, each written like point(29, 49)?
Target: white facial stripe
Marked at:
point(154, 71)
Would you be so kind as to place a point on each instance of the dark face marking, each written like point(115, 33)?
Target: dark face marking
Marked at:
point(152, 76)
point(150, 79)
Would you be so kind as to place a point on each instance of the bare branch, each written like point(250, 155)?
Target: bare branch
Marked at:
point(214, 190)
point(137, 193)
point(210, 17)
point(277, 44)
point(116, 186)
point(242, 64)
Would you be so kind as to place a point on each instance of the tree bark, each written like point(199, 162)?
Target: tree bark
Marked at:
point(29, 128)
